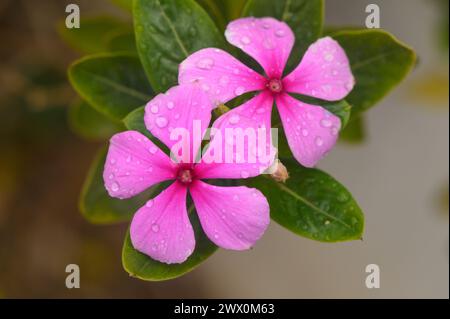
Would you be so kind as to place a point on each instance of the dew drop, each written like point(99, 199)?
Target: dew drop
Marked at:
point(261, 110)
point(112, 161)
point(154, 109)
point(245, 174)
point(170, 105)
point(149, 203)
point(305, 132)
point(205, 64)
point(245, 40)
point(111, 176)
point(234, 119)
point(334, 131)
point(155, 228)
point(224, 80)
point(153, 150)
point(239, 90)
point(326, 123)
point(115, 187)
point(328, 57)
point(280, 33)
point(319, 141)
point(161, 122)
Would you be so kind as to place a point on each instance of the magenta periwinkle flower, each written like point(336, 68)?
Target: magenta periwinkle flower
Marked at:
point(324, 73)
point(232, 217)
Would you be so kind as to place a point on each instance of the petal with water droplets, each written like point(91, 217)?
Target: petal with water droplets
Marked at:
point(221, 75)
point(134, 164)
point(180, 117)
point(241, 145)
point(311, 131)
point(162, 230)
point(267, 40)
point(324, 72)
point(232, 217)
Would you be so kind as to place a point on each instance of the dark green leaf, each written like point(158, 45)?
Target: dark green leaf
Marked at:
point(305, 17)
point(92, 34)
point(312, 204)
point(98, 207)
point(143, 267)
point(90, 124)
point(122, 42)
point(355, 132)
point(216, 11)
point(167, 32)
point(124, 4)
point(115, 84)
point(378, 61)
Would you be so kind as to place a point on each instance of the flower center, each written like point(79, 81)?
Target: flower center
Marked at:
point(275, 85)
point(185, 175)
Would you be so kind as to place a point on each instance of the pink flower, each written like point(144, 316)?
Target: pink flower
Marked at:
point(324, 73)
point(232, 217)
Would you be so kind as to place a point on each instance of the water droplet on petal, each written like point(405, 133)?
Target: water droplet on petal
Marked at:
point(115, 187)
point(170, 105)
point(153, 149)
point(326, 123)
point(234, 119)
point(224, 80)
point(245, 174)
point(161, 122)
point(334, 131)
point(205, 64)
point(328, 57)
point(319, 141)
point(155, 228)
point(239, 90)
point(261, 110)
point(149, 203)
point(280, 33)
point(111, 176)
point(112, 161)
point(245, 40)
point(305, 132)
point(154, 109)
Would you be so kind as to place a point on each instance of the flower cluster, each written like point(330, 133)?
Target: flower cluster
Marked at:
point(232, 217)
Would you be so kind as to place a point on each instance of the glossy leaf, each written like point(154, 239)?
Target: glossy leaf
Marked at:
point(312, 204)
point(115, 84)
point(355, 132)
point(305, 17)
point(378, 61)
point(122, 42)
point(90, 124)
point(92, 35)
point(98, 207)
point(167, 32)
point(143, 267)
point(217, 11)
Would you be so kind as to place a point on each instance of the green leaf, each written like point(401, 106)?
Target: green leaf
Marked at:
point(355, 131)
point(122, 42)
point(92, 34)
point(216, 11)
point(143, 267)
point(90, 124)
point(124, 4)
point(98, 207)
point(312, 204)
point(114, 84)
point(167, 32)
point(305, 17)
point(378, 61)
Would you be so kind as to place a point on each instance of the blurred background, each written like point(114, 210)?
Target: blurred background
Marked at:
point(399, 175)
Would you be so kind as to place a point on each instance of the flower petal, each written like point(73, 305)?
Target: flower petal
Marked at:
point(232, 217)
point(161, 229)
point(324, 72)
point(311, 130)
point(133, 164)
point(219, 74)
point(241, 146)
point(180, 117)
point(267, 40)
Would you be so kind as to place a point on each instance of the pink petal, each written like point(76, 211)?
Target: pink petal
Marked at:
point(161, 229)
point(267, 40)
point(241, 147)
point(220, 75)
point(133, 164)
point(324, 72)
point(184, 113)
point(232, 217)
point(311, 130)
